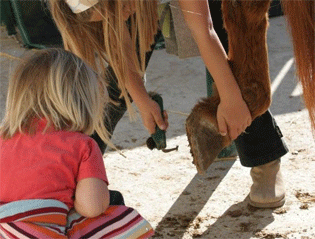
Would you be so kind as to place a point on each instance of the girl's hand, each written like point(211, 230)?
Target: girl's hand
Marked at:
point(151, 115)
point(233, 117)
point(149, 109)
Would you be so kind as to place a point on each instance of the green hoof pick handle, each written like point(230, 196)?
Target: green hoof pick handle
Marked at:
point(158, 139)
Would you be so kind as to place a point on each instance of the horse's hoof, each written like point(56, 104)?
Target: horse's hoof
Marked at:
point(204, 140)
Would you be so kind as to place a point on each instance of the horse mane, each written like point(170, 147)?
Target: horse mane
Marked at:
point(300, 16)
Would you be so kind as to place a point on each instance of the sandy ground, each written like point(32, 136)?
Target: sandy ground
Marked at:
point(166, 189)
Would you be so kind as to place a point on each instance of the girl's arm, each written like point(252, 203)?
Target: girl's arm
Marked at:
point(91, 197)
point(233, 115)
point(149, 109)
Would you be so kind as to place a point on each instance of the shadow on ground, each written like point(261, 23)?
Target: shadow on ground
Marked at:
point(239, 221)
point(191, 201)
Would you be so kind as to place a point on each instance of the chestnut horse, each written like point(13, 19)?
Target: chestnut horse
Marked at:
point(246, 22)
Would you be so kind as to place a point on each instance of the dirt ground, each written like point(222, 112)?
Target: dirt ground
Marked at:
point(166, 189)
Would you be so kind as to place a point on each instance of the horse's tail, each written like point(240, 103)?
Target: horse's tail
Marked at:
point(301, 19)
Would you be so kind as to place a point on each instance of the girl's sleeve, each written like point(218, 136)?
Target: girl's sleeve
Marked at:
point(92, 164)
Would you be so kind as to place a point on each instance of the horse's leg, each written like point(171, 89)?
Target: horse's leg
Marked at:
point(300, 15)
point(246, 23)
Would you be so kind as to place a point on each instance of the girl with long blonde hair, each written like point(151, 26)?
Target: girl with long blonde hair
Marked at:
point(49, 165)
point(54, 102)
point(99, 33)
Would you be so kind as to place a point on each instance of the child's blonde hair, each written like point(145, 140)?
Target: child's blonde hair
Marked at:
point(56, 85)
point(105, 39)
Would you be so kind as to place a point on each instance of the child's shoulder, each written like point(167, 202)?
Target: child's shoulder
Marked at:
point(71, 141)
point(79, 142)
point(73, 136)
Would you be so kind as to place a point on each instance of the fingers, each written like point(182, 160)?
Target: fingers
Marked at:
point(159, 121)
point(249, 122)
point(234, 133)
point(245, 127)
point(165, 115)
point(231, 130)
point(223, 128)
point(150, 125)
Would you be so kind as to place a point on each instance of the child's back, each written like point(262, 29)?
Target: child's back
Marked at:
point(54, 102)
point(47, 165)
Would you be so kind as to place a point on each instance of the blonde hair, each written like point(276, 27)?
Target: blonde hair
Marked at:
point(102, 43)
point(58, 86)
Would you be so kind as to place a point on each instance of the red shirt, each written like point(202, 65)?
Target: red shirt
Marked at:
point(47, 165)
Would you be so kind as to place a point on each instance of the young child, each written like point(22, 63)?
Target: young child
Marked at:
point(55, 101)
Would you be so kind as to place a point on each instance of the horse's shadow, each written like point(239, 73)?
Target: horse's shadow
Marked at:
point(239, 218)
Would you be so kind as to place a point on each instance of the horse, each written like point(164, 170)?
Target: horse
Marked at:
point(246, 23)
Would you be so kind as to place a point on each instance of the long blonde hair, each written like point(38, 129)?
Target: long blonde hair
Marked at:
point(102, 43)
point(58, 86)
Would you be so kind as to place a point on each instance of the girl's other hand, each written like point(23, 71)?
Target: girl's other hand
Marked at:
point(233, 117)
point(151, 116)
